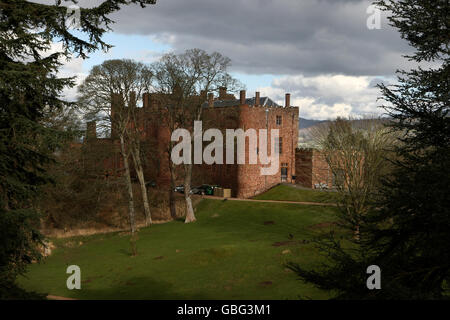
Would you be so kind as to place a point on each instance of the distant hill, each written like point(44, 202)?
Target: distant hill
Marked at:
point(306, 129)
point(306, 123)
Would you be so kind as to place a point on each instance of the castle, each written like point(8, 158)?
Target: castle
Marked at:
point(221, 112)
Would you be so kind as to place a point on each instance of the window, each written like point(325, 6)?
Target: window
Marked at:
point(278, 120)
point(280, 145)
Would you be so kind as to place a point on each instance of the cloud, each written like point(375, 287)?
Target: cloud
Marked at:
point(327, 96)
point(72, 67)
point(274, 36)
point(319, 50)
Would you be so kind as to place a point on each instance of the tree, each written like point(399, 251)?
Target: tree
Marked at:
point(110, 94)
point(356, 154)
point(407, 237)
point(167, 77)
point(29, 84)
point(182, 82)
point(415, 252)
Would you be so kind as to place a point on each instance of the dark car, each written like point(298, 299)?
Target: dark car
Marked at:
point(204, 189)
point(151, 184)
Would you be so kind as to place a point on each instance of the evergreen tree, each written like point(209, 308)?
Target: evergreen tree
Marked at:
point(408, 237)
point(30, 88)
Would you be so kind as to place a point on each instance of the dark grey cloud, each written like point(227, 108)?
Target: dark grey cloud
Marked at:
point(320, 51)
point(274, 36)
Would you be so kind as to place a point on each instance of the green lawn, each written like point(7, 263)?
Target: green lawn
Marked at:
point(290, 193)
point(234, 251)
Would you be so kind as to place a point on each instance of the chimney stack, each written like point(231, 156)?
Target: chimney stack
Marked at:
point(116, 105)
point(145, 100)
point(211, 100)
point(222, 93)
point(257, 99)
point(152, 101)
point(132, 102)
point(242, 97)
point(91, 130)
point(288, 100)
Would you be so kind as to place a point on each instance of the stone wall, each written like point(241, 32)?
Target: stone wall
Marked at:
point(303, 167)
point(312, 169)
point(321, 173)
point(245, 180)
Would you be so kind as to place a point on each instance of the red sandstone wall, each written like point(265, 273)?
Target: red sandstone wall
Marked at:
point(303, 164)
point(312, 168)
point(251, 182)
point(321, 173)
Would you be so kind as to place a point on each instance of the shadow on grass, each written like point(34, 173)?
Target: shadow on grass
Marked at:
point(126, 252)
point(135, 288)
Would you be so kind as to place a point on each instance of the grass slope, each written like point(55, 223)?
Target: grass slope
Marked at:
point(290, 193)
point(229, 253)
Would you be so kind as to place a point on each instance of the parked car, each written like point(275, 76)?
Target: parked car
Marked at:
point(179, 188)
point(196, 190)
point(204, 189)
point(151, 184)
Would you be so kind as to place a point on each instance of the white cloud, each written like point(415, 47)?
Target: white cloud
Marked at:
point(72, 67)
point(327, 96)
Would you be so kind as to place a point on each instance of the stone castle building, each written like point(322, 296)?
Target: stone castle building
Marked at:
point(245, 180)
point(221, 112)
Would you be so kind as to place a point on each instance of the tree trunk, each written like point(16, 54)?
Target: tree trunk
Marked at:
point(140, 173)
point(129, 186)
point(190, 217)
point(173, 209)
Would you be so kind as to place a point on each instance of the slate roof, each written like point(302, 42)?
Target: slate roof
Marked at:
point(264, 101)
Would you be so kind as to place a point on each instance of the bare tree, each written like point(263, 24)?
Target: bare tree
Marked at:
point(356, 152)
point(185, 80)
point(110, 94)
point(175, 84)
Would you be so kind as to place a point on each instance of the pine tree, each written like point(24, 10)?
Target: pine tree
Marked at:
point(29, 88)
point(408, 237)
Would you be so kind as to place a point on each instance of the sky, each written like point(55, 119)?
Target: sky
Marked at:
point(320, 51)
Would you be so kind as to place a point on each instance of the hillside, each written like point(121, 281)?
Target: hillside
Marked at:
point(235, 250)
point(307, 128)
point(306, 123)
